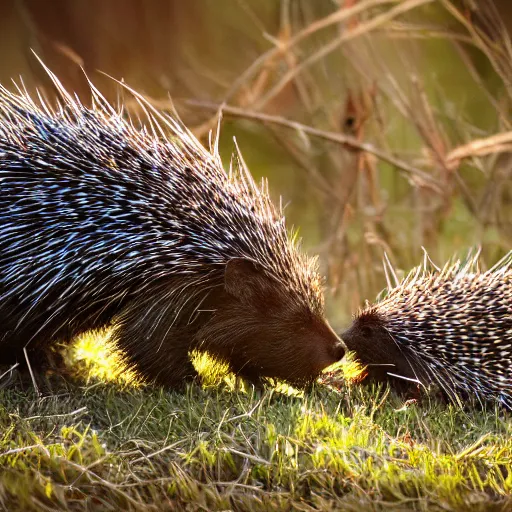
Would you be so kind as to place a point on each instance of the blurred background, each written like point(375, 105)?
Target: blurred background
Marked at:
point(385, 125)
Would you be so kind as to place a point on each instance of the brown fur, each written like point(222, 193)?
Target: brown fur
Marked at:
point(249, 321)
point(378, 352)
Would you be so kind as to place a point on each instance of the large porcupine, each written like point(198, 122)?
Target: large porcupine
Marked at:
point(103, 223)
point(451, 327)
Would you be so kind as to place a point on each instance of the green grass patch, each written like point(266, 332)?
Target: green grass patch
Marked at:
point(113, 446)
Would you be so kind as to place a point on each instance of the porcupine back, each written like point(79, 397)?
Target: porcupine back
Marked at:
point(106, 223)
point(451, 327)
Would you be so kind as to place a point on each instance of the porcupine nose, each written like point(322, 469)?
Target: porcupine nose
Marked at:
point(328, 350)
point(328, 356)
point(339, 351)
point(339, 348)
point(347, 339)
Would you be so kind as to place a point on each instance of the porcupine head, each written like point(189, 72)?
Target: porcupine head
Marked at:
point(376, 349)
point(379, 332)
point(144, 229)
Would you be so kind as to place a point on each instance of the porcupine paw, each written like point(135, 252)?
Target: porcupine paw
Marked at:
point(173, 371)
point(247, 375)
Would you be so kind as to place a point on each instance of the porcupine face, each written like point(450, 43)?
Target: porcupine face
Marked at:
point(264, 331)
point(375, 347)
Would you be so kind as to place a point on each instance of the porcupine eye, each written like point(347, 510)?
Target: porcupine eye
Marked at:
point(366, 331)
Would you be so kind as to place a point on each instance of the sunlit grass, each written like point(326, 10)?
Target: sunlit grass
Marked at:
point(225, 445)
point(220, 448)
point(95, 356)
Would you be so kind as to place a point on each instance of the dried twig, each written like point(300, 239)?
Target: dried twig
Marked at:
point(499, 143)
point(421, 178)
point(337, 17)
point(348, 35)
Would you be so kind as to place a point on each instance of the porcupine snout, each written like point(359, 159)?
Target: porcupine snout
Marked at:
point(264, 331)
point(335, 348)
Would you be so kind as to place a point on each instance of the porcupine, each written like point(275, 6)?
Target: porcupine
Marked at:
point(451, 327)
point(103, 223)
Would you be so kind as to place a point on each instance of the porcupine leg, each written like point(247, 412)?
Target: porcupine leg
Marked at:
point(159, 351)
point(247, 373)
point(42, 369)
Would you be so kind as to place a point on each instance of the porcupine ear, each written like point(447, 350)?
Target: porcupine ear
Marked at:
point(243, 280)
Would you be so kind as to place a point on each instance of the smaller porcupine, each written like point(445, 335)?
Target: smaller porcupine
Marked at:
point(451, 327)
point(103, 223)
